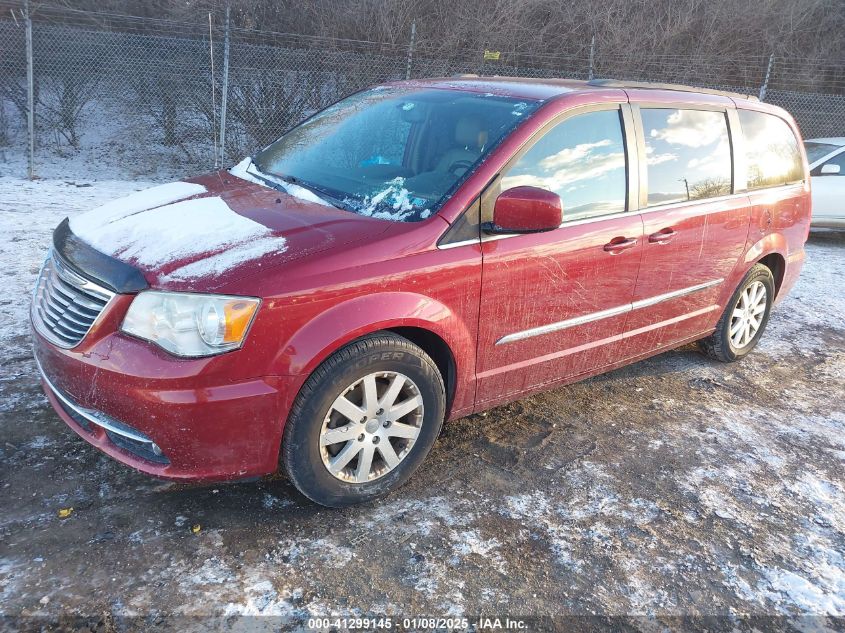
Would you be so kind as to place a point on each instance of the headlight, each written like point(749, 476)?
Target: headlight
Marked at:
point(188, 324)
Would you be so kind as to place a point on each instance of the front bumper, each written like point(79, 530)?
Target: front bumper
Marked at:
point(165, 416)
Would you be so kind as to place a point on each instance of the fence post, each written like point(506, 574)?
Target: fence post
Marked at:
point(411, 49)
point(225, 96)
point(765, 85)
point(30, 94)
point(592, 57)
point(213, 93)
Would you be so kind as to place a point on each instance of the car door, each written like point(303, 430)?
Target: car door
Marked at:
point(553, 303)
point(829, 189)
point(694, 226)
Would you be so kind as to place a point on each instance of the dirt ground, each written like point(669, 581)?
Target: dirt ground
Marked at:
point(673, 487)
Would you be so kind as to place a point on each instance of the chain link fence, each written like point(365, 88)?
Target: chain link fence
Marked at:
point(151, 97)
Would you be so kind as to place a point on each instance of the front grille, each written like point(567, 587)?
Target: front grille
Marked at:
point(66, 305)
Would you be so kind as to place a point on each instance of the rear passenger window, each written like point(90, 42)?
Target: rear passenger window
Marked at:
point(771, 150)
point(582, 160)
point(688, 154)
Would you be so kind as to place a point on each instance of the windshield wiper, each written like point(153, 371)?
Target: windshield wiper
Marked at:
point(267, 181)
point(319, 191)
point(278, 182)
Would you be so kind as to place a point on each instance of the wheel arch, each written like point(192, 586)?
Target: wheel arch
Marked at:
point(777, 264)
point(769, 251)
point(439, 351)
point(428, 323)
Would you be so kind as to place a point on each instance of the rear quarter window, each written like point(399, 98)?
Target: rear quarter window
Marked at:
point(771, 150)
point(688, 154)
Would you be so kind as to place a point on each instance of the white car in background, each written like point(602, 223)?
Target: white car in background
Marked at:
point(827, 170)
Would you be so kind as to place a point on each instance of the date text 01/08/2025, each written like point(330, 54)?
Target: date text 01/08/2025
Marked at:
point(419, 623)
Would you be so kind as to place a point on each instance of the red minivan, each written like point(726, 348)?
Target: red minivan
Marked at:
point(414, 253)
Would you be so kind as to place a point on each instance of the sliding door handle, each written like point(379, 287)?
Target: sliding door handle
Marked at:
point(663, 236)
point(619, 244)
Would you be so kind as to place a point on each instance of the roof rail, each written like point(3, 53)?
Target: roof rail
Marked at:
point(649, 85)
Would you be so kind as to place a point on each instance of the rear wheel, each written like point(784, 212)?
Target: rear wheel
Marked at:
point(364, 421)
point(744, 319)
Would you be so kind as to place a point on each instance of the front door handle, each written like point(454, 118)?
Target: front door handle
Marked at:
point(619, 244)
point(663, 236)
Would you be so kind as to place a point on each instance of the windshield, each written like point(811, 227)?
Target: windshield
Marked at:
point(393, 153)
point(816, 151)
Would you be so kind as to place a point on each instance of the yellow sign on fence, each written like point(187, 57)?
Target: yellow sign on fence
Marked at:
point(492, 55)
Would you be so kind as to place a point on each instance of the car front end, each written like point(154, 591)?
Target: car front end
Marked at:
point(166, 414)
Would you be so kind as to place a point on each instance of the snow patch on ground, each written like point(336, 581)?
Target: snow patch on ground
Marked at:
point(213, 572)
point(468, 543)
point(261, 598)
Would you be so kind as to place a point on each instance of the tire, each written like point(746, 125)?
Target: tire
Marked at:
point(722, 345)
point(319, 408)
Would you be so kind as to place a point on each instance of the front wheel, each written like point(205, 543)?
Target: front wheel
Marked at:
point(363, 421)
point(744, 319)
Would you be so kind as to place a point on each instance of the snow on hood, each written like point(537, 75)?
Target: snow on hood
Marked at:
point(149, 229)
point(88, 224)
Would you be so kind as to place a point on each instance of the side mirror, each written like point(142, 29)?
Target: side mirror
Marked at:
point(830, 170)
point(525, 210)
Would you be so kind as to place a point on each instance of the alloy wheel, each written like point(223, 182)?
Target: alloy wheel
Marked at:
point(371, 427)
point(748, 314)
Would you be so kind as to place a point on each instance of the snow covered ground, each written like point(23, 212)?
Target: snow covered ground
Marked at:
point(673, 487)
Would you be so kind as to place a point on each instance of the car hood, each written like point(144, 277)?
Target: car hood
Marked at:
point(206, 232)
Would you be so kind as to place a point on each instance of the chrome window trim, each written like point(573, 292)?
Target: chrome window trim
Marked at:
point(605, 314)
point(93, 416)
point(449, 245)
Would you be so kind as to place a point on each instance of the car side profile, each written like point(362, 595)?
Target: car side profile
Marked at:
point(826, 157)
point(412, 254)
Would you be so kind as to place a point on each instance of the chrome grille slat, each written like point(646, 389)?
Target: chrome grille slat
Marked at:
point(80, 331)
point(57, 333)
point(70, 305)
point(65, 305)
point(70, 292)
point(68, 315)
point(55, 314)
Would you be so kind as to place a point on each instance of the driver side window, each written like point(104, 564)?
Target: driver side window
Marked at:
point(582, 160)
